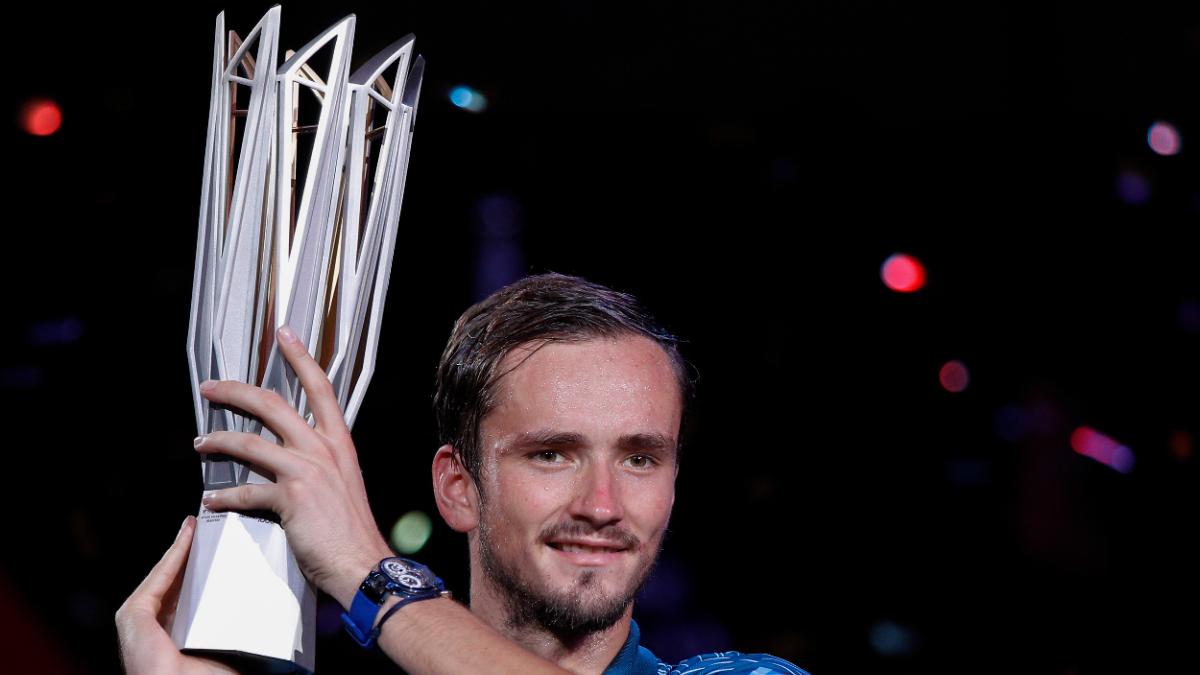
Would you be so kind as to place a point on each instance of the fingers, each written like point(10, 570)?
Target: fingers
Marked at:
point(141, 636)
point(265, 405)
point(275, 412)
point(149, 594)
point(252, 449)
point(322, 400)
point(252, 497)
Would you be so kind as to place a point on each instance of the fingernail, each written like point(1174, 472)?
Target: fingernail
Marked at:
point(182, 527)
point(286, 335)
point(208, 385)
point(206, 501)
point(199, 441)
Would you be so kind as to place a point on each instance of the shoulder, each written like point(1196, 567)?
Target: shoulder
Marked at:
point(734, 663)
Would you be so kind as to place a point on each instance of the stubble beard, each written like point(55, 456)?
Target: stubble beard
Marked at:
point(575, 612)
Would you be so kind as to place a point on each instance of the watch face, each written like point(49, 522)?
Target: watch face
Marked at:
point(413, 576)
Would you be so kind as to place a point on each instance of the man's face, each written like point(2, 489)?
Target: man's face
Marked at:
point(577, 479)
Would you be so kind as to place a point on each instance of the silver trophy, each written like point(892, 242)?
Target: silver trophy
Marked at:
point(303, 179)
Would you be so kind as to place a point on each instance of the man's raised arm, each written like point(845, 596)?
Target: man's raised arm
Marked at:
point(321, 500)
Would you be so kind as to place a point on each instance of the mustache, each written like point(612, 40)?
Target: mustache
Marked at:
point(612, 534)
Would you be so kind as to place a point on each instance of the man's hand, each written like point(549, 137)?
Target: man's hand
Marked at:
point(145, 645)
point(321, 501)
point(319, 493)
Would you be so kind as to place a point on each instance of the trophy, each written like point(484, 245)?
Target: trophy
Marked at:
point(304, 174)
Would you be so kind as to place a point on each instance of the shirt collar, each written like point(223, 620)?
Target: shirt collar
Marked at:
point(633, 659)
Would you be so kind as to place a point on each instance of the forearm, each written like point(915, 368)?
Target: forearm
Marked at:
point(436, 636)
point(442, 636)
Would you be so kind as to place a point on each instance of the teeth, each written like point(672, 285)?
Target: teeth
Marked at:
point(575, 548)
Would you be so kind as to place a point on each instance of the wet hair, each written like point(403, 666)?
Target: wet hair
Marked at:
point(543, 308)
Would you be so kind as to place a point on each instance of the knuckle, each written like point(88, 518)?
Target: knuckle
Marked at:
point(234, 498)
point(338, 439)
point(323, 385)
point(272, 399)
point(124, 614)
point(257, 444)
point(295, 491)
point(265, 397)
point(307, 472)
point(246, 496)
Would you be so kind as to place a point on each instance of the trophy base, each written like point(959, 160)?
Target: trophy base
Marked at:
point(244, 600)
point(250, 664)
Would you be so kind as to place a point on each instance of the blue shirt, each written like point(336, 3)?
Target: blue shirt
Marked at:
point(634, 659)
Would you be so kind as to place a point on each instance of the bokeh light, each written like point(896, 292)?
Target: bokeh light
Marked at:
point(20, 377)
point(1012, 423)
point(1189, 316)
point(1132, 187)
point(954, 376)
point(468, 99)
point(1182, 445)
point(500, 258)
point(903, 273)
point(410, 533)
point(1164, 139)
point(41, 117)
point(1095, 445)
point(56, 332)
point(968, 472)
point(889, 638)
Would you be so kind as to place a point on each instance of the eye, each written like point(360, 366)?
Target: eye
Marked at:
point(548, 456)
point(641, 461)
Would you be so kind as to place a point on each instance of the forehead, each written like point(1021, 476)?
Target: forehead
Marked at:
point(600, 387)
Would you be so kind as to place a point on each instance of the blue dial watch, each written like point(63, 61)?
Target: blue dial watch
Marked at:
point(406, 579)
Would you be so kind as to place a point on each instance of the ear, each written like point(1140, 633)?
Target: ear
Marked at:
point(455, 492)
point(675, 484)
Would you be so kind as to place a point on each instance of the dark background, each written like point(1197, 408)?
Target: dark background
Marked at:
point(745, 169)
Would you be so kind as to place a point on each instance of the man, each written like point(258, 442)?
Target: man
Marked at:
point(559, 403)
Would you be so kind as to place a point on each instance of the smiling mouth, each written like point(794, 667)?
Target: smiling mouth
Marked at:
point(567, 547)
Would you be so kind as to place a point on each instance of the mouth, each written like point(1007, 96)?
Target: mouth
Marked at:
point(574, 547)
point(588, 554)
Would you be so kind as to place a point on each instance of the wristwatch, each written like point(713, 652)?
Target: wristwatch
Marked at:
point(406, 579)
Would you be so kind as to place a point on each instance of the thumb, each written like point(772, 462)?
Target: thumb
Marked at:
point(150, 592)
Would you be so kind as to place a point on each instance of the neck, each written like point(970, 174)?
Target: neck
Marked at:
point(584, 653)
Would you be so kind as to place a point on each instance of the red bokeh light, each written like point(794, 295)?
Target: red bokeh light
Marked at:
point(903, 273)
point(1104, 449)
point(954, 376)
point(1182, 445)
point(41, 117)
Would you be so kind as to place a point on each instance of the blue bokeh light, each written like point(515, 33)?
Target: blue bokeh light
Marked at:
point(468, 99)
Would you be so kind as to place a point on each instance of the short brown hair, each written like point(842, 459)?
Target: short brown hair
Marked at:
point(548, 307)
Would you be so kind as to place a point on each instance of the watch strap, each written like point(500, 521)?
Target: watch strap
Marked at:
point(361, 618)
point(403, 601)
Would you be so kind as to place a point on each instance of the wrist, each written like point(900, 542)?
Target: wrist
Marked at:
point(351, 573)
point(392, 585)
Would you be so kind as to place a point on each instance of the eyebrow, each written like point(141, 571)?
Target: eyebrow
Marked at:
point(647, 442)
point(549, 438)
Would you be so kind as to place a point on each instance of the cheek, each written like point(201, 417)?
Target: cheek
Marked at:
point(532, 502)
point(650, 504)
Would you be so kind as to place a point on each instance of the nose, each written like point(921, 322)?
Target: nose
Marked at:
point(598, 498)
